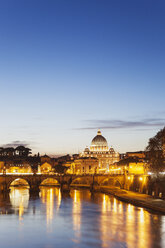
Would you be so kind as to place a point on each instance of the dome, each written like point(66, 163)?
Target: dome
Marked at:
point(86, 149)
point(99, 142)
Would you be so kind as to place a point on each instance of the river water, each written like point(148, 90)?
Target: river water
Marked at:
point(78, 220)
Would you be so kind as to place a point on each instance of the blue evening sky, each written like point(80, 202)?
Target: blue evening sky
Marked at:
point(69, 67)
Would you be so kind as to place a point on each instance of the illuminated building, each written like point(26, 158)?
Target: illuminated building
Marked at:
point(132, 165)
point(18, 167)
point(84, 165)
point(18, 160)
point(139, 154)
point(2, 165)
point(46, 164)
point(99, 149)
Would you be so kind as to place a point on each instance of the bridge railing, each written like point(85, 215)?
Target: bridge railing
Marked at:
point(62, 174)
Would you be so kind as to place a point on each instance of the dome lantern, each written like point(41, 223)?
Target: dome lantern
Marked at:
point(99, 132)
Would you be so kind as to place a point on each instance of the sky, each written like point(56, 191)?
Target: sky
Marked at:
point(69, 67)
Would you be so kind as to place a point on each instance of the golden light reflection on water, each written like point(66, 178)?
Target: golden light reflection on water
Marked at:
point(79, 197)
point(106, 204)
point(116, 221)
point(141, 215)
point(120, 207)
point(130, 226)
point(130, 214)
point(76, 214)
point(144, 225)
point(162, 231)
point(127, 223)
point(111, 210)
point(51, 197)
point(19, 198)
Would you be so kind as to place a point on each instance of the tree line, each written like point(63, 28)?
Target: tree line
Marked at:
point(155, 151)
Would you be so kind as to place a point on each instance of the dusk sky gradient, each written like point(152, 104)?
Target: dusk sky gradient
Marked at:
point(69, 67)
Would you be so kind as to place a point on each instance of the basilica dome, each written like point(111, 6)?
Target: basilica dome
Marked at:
point(99, 142)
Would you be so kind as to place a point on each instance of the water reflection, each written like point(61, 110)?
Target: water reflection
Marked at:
point(19, 198)
point(51, 197)
point(129, 225)
point(76, 214)
point(162, 231)
point(79, 220)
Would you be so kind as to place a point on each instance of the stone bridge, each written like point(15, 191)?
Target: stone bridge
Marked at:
point(64, 181)
point(137, 183)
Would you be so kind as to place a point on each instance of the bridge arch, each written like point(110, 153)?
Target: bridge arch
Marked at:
point(80, 180)
point(18, 182)
point(107, 181)
point(50, 181)
point(117, 184)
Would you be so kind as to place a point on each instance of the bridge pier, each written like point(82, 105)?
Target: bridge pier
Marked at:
point(34, 194)
point(92, 187)
point(34, 190)
point(4, 188)
point(92, 184)
point(65, 187)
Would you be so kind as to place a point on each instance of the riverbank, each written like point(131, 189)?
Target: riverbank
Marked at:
point(137, 199)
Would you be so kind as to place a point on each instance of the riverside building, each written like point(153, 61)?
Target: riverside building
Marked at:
point(18, 161)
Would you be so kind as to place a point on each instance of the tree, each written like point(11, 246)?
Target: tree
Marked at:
point(59, 168)
point(23, 151)
point(155, 152)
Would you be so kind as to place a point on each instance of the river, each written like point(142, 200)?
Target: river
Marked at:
point(78, 220)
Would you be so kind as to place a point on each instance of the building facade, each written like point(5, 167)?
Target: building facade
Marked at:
point(84, 165)
point(18, 161)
